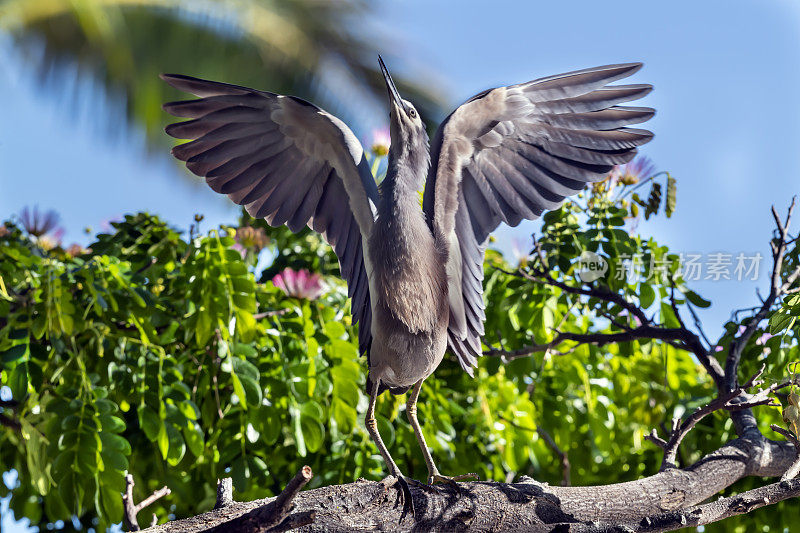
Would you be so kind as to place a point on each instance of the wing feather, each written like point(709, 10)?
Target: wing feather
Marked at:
point(286, 161)
point(509, 154)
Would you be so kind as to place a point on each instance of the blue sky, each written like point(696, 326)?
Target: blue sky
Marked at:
point(726, 76)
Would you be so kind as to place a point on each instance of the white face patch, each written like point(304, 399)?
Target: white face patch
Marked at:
point(411, 114)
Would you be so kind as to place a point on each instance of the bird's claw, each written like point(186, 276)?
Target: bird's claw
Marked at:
point(401, 483)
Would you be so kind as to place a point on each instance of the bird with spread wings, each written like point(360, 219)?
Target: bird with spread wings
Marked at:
point(414, 274)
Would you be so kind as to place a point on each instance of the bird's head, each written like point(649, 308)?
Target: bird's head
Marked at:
point(408, 132)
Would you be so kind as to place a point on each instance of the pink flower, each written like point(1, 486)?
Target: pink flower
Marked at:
point(763, 338)
point(38, 224)
point(381, 140)
point(639, 169)
point(299, 284)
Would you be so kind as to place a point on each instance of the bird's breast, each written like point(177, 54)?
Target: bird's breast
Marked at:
point(410, 279)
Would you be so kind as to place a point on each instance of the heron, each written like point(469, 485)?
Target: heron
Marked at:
point(414, 272)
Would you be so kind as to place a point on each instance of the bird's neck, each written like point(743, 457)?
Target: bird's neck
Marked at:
point(405, 174)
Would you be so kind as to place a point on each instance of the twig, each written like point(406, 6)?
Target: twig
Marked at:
point(224, 493)
point(794, 469)
point(777, 287)
point(566, 468)
point(551, 443)
point(132, 509)
point(725, 401)
point(540, 276)
point(275, 312)
point(275, 514)
point(688, 340)
point(697, 322)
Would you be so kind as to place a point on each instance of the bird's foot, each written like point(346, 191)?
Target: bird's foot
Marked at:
point(404, 497)
point(452, 481)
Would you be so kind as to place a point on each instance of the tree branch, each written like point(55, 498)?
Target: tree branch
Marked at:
point(132, 509)
point(688, 340)
point(530, 506)
point(723, 401)
point(777, 287)
point(793, 470)
point(274, 516)
point(714, 511)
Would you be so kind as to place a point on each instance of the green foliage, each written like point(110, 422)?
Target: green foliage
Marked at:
point(160, 354)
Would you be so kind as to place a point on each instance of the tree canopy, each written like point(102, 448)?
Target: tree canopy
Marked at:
point(183, 357)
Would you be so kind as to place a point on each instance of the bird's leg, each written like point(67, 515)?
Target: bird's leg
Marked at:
point(433, 473)
point(372, 427)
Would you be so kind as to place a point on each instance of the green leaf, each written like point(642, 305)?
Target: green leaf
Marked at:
point(696, 299)
point(194, 440)
point(149, 422)
point(238, 389)
point(177, 446)
point(114, 442)
point(162, 439)
point(14, 353)
point(111, 503)
point(313, 432)
point(779, 322)
point(18, 381)
point(240, 472)
point(111, 424)
point(646, 295)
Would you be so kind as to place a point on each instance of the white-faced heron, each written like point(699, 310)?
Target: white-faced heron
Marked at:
point(414, 274)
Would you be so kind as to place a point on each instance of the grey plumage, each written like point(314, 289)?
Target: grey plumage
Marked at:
point(414, 276)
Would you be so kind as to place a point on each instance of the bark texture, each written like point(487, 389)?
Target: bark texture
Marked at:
point(662, 502)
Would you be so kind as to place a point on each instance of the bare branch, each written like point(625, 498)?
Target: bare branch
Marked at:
point(681, 338)
point(777, 287)
point(275, 514)
point(274, 312)
point(566, 468)
point(686, 341)
point(132, 509)
point(541, 276)
point(736, 400)
point(793, 470)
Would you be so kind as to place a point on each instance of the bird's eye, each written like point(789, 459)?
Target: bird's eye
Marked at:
point(412, 113)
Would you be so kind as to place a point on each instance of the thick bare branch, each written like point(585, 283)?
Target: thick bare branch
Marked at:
point(712, 512)
point(527, 505)
point(274, 516)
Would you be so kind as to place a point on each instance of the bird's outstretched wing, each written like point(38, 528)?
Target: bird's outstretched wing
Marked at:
point(286, 161)
point(509, 154)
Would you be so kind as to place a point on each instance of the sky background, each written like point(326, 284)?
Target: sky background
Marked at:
point(726, 77)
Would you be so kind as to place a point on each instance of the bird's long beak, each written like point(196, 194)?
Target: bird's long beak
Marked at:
point(393, 94)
